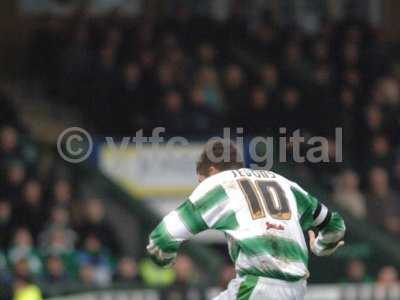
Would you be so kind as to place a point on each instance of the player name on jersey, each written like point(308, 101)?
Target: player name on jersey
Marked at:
point(253, 173)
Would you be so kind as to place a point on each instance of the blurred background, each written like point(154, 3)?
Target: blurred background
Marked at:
point(113, 67)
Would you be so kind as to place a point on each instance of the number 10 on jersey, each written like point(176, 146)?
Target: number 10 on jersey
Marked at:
point(265, 197)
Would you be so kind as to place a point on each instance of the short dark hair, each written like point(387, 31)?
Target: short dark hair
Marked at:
point(221, 154)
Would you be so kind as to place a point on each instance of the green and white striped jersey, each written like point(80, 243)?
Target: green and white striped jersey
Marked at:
point(263, 216)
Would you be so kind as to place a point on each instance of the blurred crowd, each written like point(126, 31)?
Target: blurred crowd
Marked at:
point(356, 271)
point(194, 76)
point(52, 237)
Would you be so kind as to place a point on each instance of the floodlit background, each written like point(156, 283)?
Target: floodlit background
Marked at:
point(75, 226)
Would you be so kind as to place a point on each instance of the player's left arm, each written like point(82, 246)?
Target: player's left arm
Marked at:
point(329, 224)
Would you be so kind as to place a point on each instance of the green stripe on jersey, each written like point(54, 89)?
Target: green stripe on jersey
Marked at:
point(335, 224)
point(211, 199)
point(163, 239)
point(227, 222)
point(275, 274)
point(277, 247)
point(191, 218)
point(247, 287)
point(306, 204)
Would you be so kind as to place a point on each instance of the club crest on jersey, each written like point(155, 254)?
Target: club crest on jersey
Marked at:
point(274, 226)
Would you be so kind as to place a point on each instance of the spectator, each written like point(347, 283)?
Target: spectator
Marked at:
point(234, 89)
point(87, 275)
point(348, 195)
point(95, 224)
point(58, 226)
point(350, 56)
point(21, 269)
point(352, 77)
point(8, 145)
point(387, 276)
point(177, 58)
point(184, 271)
point(7, 223)
point(356, 272)
point(320, 52)
point(58, 243)
point(14, 177)
point(201, 117)
point(269, 78)
point(173, 116)
point(94, 254)
point(184, 278)
point(207, 82)
point(55, 272)
point(31, 209)
point(266, 39)
point(294, 64)
point(126, 271)
point(380, 151)
point(59, 218)
point(322, 80)
point(206, 55)
point(22, 248)
point(24, 289)
point(381, 202)
point(165, 81)
point(387, 94)
point(372, 126)
point(62, 193)
point(290, 110)
point(147, 63)
point(259, 112)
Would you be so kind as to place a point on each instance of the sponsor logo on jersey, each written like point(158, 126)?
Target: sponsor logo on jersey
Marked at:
point(274, 226)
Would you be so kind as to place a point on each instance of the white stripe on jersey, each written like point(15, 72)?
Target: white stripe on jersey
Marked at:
point(176, 227)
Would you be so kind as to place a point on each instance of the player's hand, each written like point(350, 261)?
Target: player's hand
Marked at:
point(321, 251)
point(159, 257)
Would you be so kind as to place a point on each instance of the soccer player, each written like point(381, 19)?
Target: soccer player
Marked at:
point(263, 216)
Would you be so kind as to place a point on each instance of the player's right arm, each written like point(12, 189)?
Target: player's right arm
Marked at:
point(176, 227)
point(207, 208)
point(314, 214)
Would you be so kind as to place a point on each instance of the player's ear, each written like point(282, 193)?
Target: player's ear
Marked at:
point(212, 170)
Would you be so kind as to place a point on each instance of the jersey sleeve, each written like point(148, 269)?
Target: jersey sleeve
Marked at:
point(206, 208)
point(314, 214)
